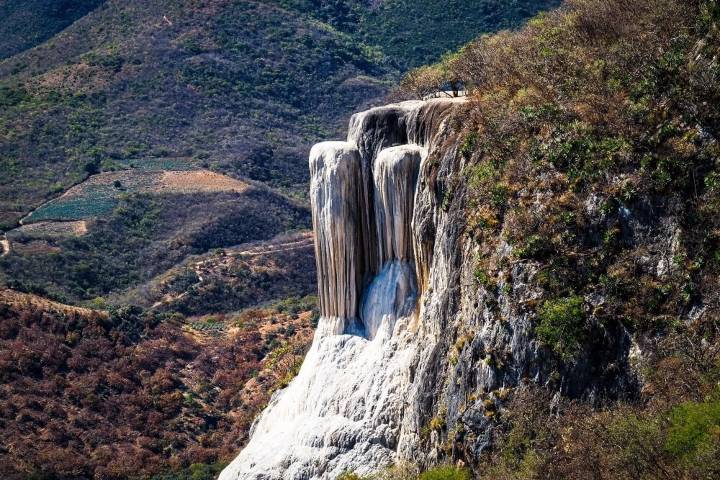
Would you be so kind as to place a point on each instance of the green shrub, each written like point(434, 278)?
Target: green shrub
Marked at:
point(695, 427)
point(196, 471)
point(469, 145)
point(499, 195)
point(485, 279)
point(534, 247)
point(350, 476)
point(446, 472)
point(562, 325)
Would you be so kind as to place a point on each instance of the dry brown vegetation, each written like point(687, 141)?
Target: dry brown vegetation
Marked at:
point(88, 394)
point(671, 432)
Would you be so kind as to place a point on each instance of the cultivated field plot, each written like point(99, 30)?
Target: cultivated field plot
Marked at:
point(100, 194)
point(50, 230)
point(156, 164)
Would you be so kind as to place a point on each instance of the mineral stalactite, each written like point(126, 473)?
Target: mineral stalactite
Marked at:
point(339, 215)
point(395, 173)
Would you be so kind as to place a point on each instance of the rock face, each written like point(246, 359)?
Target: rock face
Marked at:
point(345, 409)
point(406, 333)
point(339, 219)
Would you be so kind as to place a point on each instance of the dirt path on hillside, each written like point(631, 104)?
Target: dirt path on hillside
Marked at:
point(5, 245)
point(277, 245)
point(203, 267)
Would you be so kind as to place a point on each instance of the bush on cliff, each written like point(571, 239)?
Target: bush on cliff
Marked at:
point(406, 471)
point(446, 472)
point(608, 112)
point(562, 325)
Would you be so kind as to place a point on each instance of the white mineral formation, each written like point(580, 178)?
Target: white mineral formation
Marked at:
point(345, 410)
point(395, 173)
point(338, 219)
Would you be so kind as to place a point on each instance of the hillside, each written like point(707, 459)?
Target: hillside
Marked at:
point(242, 87)
point(29, 23)
point(237, 87)
point(139, 237)
point(121, 394)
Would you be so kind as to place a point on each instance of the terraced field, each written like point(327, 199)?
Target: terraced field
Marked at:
point(51, 229)
point(100, 194)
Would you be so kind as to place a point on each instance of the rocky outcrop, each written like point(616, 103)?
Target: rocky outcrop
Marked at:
point(406, 333)
point(345, 409)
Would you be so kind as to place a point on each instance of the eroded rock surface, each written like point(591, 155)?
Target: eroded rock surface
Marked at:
point(345, 410)
point(407, 333)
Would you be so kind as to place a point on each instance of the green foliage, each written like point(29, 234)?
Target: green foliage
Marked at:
point(562, 325)
point(350, 476)
point(485, 279)
point(294, 305)
point(11, 96)
point(446, 472)
point(694, 429)
point(127, 246)
point(499, 195)
point(583, 156)
point(419, 32)
point(469, 145)
point(34, 21)
point(533, 247)
point(95, 204)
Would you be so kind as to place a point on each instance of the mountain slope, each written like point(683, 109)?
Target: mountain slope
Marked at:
point(150, 80)
point(118, 395)
point(244, 87)
point(28, 23)
point(419, 32)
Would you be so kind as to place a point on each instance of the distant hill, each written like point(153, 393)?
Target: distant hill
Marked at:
point(28, 23)
point(242, 87)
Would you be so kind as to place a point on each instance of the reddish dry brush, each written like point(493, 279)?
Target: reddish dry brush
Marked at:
point(86, 395)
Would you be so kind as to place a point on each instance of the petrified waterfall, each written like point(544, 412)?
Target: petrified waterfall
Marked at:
point(339, 221)
point(345, 410)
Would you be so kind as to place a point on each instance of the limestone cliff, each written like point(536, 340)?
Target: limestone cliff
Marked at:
point(406, 333)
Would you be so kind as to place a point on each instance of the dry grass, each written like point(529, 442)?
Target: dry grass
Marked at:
point(54, 229)
point(28, 300)
point(198, 181)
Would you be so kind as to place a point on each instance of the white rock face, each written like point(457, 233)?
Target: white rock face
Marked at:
point(396, 172)
point(338, 220)
point(341, 413)
point(346, 410)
